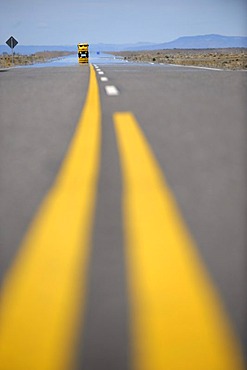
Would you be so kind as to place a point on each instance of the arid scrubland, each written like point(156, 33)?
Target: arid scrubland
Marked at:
point(39, 57)
point(232, 58)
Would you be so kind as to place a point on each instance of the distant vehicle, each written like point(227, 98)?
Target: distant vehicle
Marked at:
point(82, 52)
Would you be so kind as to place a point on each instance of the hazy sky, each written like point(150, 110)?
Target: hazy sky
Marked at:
point(60, 22)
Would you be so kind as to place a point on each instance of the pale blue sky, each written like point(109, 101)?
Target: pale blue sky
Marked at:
point(64, 22)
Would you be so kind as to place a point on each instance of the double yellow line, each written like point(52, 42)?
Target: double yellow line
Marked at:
point(177, 322)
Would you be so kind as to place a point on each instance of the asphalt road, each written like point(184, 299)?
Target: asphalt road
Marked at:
point(195, 123)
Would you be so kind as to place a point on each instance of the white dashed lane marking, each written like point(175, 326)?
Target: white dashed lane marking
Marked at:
point(111, 90)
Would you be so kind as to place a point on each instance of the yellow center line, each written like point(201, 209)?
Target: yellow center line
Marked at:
point(44, 292)
point(177, 322)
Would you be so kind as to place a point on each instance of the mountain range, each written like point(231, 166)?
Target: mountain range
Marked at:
point(186, 42)
point(200, 42)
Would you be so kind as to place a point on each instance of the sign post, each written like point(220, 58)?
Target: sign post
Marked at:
point(12, 42)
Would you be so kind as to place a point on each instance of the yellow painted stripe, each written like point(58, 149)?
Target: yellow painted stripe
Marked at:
point(46, 285)
point(177, 322)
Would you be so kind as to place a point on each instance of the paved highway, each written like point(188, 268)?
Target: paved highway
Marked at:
point(123, 218)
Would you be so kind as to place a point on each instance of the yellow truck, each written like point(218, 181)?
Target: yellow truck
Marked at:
point(82, 52)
